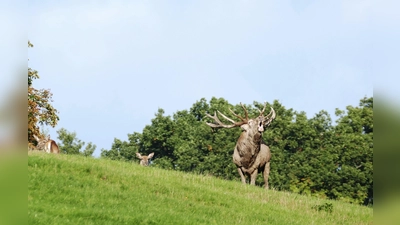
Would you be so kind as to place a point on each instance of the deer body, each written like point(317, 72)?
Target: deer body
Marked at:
point(251, 155)
point(251, 163)
point(47, 145)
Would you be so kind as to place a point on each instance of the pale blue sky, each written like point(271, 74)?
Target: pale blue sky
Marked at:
point(112, 64)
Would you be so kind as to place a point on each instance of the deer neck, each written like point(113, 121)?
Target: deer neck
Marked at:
point(248, 144)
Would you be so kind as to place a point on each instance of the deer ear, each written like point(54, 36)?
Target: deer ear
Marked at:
point(151, 155)
point(37, 139)
point(138, 155)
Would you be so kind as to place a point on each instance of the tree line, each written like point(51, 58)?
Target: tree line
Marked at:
point(310, 156)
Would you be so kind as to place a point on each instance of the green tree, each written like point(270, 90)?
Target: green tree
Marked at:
point(89, 149)
point(70, 144)
point(311, 161)
point(278, 137)
point(353, 142)
point(191, 147)
point(40, 110)
point(157, 138)
point(121, 150)
point(199, 109)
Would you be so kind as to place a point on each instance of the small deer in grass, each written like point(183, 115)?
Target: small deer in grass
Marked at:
point(144, 160)
point(47, 145)
point(251, 155)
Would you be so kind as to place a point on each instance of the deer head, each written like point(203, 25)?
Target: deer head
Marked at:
point(257, 124)
point(41, 142)
point(144, 160)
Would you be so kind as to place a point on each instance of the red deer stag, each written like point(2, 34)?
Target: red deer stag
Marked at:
point(47, 145)
point(144, 160)
point(251, 155)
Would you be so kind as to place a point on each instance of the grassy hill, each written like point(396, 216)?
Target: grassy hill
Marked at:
point(68, 189)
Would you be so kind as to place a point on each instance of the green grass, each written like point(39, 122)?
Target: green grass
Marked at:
point(67, 189)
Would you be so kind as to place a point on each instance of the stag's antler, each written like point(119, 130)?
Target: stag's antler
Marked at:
point(234, 124)
point(262, 112)
point(271, 116)
point(268, 119)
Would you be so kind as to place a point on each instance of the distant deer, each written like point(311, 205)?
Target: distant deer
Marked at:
point(144, 160)
point(251, 155)
point(47, 145)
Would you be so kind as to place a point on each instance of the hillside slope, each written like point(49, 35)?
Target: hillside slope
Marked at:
point(68, 189)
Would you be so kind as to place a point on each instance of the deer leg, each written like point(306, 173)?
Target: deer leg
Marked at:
point(253, 177)
point(266, 174)
point(242, 177)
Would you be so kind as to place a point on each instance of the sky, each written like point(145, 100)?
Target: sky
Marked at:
point(111, 64)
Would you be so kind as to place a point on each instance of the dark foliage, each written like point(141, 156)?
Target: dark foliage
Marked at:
point(309, 155)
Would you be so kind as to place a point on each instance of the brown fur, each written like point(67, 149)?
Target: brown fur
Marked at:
point(54, 147)
point(144, 160)
point(47, 145)
point(251, 155)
